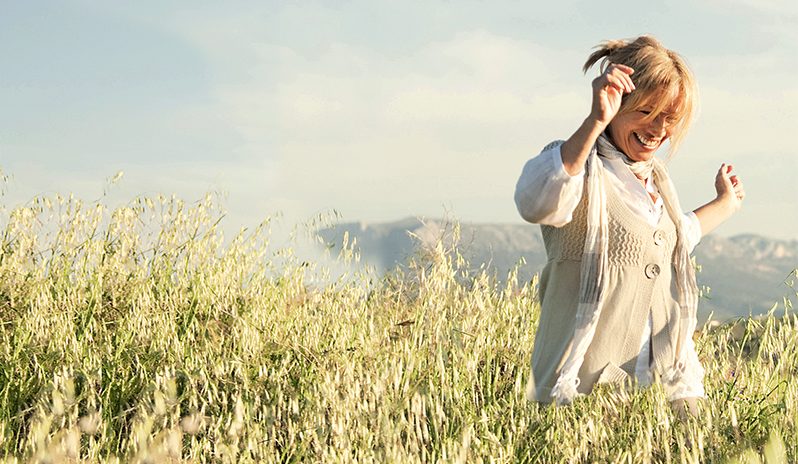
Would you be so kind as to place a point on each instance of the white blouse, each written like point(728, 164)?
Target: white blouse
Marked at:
point(547, 194)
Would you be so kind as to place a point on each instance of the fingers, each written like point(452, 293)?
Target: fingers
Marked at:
point(623, 68)
point(723, 173)
point(725, 170)
point(616, 76)
point(739, 190)
point(608, 90)
point(619, 76)
point(740, 193)
point(732, 181)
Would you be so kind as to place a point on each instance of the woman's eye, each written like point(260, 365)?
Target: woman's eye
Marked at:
point(645, 111)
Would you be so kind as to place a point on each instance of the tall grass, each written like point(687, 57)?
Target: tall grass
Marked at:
point(141, 334)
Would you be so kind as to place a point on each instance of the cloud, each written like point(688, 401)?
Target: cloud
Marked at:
point(378, 134)
point(775, 19)
point(764, 7)
point(355, 129)
point(331, 109)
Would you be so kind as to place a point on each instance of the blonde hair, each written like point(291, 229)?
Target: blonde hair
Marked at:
point(661, 77)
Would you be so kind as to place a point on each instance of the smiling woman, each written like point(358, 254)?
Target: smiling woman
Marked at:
point(618, 295)
point(661, 107)
point(638, 135)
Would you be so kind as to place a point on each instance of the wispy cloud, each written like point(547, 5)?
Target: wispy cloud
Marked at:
point(380, 111)
point(378, 134)
point(356, 129)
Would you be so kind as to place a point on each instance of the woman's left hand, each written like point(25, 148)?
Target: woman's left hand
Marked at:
point(729, 200)
point(685, 407)
point(729, 187)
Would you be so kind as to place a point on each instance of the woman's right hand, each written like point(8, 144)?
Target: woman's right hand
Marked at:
point(608, 89)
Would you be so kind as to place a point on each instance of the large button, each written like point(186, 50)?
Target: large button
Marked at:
point(652, 270)
point(659, 237)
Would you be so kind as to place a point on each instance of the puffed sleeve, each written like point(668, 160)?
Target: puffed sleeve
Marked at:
point(545, 193)
point(691, 385)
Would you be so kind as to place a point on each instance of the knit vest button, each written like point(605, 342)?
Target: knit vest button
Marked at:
point(652, 271)
point(659, 237)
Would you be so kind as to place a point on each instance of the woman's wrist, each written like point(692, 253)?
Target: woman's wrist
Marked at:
point(594, 124)
point(576, 149)
point(727, 203)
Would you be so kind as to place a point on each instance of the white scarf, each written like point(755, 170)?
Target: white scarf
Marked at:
point(593, 280)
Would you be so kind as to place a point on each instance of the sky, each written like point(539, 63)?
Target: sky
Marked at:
point(377, 110)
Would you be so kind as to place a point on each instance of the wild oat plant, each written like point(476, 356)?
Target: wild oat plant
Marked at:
point(141, 334)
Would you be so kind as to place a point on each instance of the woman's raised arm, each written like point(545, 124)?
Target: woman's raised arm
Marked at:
point(551, 184)
point(730, 195)
point(608, 90)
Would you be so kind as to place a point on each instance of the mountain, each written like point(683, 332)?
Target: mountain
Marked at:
point(745, 274)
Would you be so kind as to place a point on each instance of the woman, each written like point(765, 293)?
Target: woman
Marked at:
point(618, 294)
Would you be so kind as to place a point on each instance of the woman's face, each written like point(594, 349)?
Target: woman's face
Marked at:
point(638, 137)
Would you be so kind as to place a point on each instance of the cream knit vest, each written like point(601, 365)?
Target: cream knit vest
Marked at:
point(640, 275)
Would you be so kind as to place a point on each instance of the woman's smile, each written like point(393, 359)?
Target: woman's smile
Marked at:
point(650, 143)
point(639, 137)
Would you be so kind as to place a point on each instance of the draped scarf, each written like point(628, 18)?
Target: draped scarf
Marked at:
point(593, 271)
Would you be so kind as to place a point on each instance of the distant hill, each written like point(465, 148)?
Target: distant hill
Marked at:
point(746, 274)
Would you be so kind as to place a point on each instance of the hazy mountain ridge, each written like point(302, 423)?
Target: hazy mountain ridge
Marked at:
point(745, 273)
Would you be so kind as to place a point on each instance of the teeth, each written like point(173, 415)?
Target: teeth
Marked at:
point(648, 143)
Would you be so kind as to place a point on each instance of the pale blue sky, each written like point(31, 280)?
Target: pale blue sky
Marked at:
point(379, 110)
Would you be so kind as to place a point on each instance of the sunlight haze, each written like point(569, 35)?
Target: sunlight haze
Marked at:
point(379, 110)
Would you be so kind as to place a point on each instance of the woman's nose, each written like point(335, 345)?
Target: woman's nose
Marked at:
point(659, 123)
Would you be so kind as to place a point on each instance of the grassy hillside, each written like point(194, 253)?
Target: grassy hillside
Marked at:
point(141, 335)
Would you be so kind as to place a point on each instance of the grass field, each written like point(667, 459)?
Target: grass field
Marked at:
point(141, 335)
